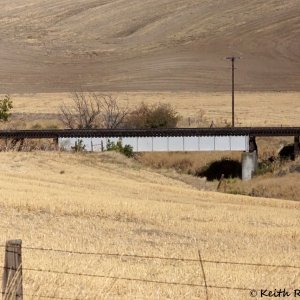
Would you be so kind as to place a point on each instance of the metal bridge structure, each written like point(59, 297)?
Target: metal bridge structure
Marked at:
point(82, 133)
point(241, 139)
point(171, 139)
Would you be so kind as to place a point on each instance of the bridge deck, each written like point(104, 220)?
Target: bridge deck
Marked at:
point(172, 132)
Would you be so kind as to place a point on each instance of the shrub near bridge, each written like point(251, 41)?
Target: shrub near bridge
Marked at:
point(79, 146)
point(127, 150)
point(229, 167)
point(158, 115)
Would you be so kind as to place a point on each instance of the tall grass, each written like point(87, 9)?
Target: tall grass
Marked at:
point(108, 203)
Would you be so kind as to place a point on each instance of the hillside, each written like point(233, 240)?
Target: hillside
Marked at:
point(153, 45)
point(106, 203)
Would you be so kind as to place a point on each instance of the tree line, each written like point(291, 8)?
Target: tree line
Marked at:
point(94, 110)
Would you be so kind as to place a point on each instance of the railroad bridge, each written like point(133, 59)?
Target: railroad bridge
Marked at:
point(241, 139)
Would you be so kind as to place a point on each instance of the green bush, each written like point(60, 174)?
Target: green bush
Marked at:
point(127, 150)
point(214, 170)
point(5, 107)
point(264, 167)
point(79, 146)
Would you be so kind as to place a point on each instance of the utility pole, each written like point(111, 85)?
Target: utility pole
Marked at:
point(233, 59)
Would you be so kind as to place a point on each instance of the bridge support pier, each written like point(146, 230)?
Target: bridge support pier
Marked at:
point(56, 143)
point(250, 160)
point(296, 147)
point(249, 165)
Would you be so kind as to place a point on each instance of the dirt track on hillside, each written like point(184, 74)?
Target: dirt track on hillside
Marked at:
point(150, 45)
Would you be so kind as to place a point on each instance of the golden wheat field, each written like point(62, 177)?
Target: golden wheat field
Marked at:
point(197, 109)
point(106, 203)
point(103, 226)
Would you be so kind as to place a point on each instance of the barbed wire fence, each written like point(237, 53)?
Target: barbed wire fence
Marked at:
point(14, 268)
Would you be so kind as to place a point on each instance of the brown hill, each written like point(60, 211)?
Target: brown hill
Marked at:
point(148, 45)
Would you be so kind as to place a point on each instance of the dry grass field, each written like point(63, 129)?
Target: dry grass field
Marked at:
point(252, 109)
point(168, 51)
point(37, 111)
point(153, 45)
point(269, 186)
point(106, 203)
point(280, 180)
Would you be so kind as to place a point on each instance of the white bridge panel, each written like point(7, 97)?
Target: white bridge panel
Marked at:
point(222, 143)
point(207, 143)
point(160, 144)
point(66, 143)
point(191, 143)
point(163, 144)
point(145, 144)
point(176, 144)
point(240, 143)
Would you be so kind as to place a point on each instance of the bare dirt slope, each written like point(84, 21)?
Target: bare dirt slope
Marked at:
point(106, 203)
point(148, 45)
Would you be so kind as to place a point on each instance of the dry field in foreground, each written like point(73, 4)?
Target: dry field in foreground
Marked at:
point(252, 109)
point(106, 203)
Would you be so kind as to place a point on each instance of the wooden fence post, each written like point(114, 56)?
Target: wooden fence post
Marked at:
point(12, 282)
point(220, 182)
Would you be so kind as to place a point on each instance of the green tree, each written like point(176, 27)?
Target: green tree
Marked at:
point(5, 107)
